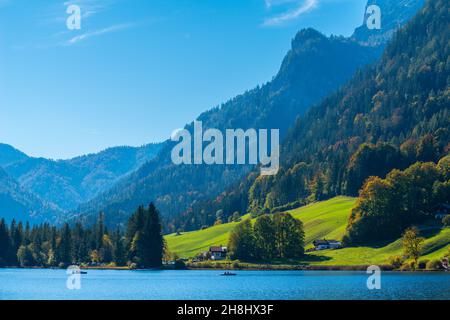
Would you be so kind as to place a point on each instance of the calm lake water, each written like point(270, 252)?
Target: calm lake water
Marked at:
point(247, 285)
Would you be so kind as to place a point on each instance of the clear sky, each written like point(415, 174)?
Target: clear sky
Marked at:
point(139, 69)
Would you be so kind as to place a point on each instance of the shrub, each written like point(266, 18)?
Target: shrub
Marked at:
point(446, 221)
point(396, 261)
point(434, 265)
point(405, 267)
point(423, 264)
point(133, 266)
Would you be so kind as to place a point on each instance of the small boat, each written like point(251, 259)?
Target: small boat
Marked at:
point(79, 272)
point(227, 273)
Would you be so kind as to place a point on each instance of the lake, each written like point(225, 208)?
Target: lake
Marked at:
point(18, 284)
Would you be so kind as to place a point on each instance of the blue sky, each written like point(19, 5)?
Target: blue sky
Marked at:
point(138, 69)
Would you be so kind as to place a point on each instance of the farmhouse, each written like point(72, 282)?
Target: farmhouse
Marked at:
point(218, 253)
point(327, 244)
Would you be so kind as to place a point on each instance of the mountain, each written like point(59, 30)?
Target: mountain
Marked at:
point(389, 116)
point(315, 67)
point(67, 183)
point(310, 71)
point(393, 15)
point(17, 203)
point(9, 155)
point(392, 114)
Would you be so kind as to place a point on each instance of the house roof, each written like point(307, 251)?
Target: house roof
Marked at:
point(319, 242)
point(322, 242)
point(217, 249)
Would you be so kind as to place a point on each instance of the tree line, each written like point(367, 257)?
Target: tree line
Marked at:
point(278, 236)
point(141, 245)
point(403, 199)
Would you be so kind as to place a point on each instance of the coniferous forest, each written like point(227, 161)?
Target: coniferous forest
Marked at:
point(141, 245)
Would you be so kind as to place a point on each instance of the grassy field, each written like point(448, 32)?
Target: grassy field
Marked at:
point(327, 219)
point(190, 244)
point(435, 247)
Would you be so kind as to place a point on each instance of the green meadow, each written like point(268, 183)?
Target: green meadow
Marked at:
point(322, 220)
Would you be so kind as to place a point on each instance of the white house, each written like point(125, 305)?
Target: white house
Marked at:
point(218, 253)
point(327, 244)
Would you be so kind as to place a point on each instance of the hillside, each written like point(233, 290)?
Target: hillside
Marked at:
point(435, 246)
point(327, 219)
point(388, 116)
point(9, 155)
point(17, 203)
point(67, 183)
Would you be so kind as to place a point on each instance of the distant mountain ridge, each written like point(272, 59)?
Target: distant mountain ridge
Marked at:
point(9, 155)
point(17, 203)
point(64, 184)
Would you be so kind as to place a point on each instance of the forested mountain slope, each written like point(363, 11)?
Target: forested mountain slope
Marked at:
point(17, 203)
point(64, 184)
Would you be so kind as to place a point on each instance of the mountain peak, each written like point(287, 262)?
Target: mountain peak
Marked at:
point(306, 34)
point(9, 154)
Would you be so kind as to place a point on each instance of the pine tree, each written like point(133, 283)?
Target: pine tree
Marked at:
point(119, 249)
point(156, 240)
point(65, 246)
point(5, 244)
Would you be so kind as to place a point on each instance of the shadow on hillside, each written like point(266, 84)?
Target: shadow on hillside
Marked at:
point(312, 258)
point(427, 230)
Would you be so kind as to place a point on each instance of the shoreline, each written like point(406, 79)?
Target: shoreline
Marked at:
point(361, 268)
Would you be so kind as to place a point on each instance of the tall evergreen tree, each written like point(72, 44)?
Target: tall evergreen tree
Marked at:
point(65, 246)
point(119, 249)
point(5, 244)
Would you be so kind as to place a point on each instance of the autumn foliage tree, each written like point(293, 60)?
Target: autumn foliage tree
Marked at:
point(386, 207)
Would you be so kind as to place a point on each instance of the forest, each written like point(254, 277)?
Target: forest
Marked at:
point(140, 245)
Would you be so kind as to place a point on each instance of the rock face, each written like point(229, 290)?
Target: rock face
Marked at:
point(394, 14)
